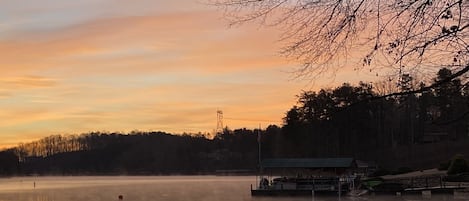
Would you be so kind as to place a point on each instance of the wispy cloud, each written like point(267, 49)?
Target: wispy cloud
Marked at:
point(27, 82)
point(154, 70)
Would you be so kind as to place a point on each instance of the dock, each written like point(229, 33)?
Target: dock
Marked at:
point(424, 185)
point(434, 190)
point(304, 177)
point(294, 192)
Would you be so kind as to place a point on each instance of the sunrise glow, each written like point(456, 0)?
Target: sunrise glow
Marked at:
point(68, 67)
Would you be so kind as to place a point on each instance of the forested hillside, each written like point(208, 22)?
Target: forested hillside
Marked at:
point(415, 130)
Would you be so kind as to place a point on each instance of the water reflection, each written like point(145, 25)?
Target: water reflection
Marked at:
point(197, 188)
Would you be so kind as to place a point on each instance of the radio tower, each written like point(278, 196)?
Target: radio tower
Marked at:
point(219, 121)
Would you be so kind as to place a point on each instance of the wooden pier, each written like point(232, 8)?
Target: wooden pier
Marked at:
point(425, 186)
point(296, 192)
point(433, 190)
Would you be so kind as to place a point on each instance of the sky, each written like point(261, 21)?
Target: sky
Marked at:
point(71, 67)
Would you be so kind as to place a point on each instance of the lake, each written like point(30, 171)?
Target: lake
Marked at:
point(154, 188)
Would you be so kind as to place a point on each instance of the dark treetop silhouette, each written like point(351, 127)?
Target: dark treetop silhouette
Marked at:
point(408, 36)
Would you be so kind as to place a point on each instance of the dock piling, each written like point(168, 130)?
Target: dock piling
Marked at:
point(427, 194)
point(339, 188)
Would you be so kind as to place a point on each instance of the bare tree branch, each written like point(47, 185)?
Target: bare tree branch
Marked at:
point(409, 35)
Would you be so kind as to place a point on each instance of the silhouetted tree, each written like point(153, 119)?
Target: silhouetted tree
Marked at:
point(410, 35)
point(9, 162)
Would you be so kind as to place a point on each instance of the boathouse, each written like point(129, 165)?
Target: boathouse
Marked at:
point(305, 167)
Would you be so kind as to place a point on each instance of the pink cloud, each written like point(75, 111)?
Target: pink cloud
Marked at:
point(166, 72)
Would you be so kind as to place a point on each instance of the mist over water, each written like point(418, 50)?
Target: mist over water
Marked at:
point(154, 188)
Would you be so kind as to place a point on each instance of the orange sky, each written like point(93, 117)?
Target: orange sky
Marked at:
point(69, 67)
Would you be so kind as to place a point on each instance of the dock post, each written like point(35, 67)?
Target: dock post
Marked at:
point(441, 182)
point(340, 190)
point(257, 183)
point(314, 185)
point(312, 195)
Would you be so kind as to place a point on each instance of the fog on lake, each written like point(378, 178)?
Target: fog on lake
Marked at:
point(154, 188)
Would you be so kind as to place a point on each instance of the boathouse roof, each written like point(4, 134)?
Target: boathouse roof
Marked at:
point(308, 163)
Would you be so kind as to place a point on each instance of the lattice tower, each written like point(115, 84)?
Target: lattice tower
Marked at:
point(219, 121)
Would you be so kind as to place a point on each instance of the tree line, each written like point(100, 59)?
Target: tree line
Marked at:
point(352, 118)
point(102, 153)
point(414, 130)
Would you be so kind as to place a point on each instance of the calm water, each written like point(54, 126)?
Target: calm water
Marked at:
point(159, 188)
